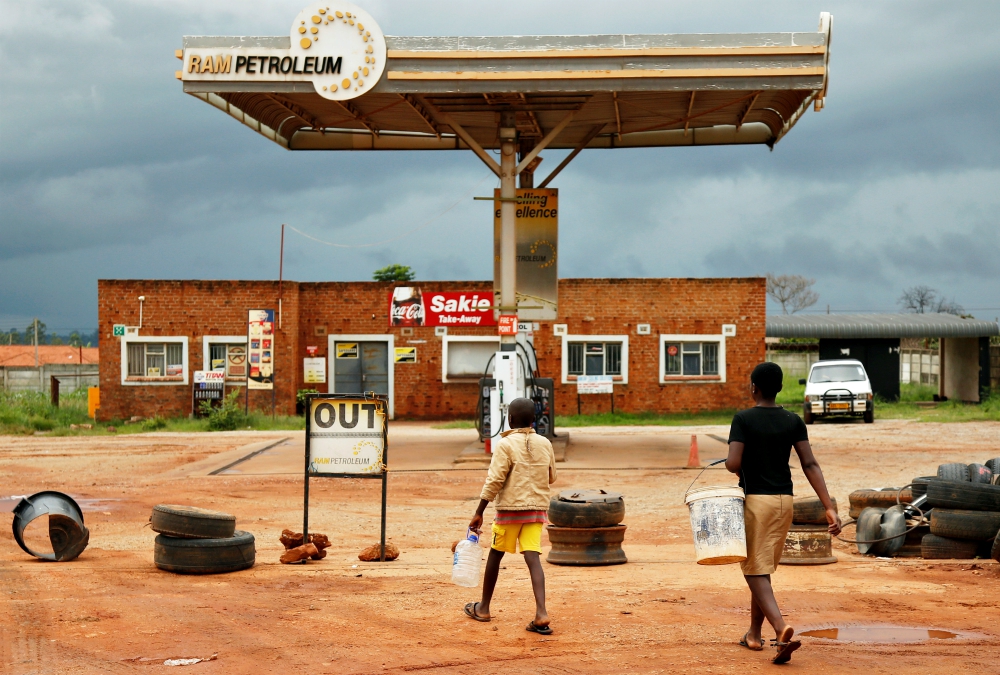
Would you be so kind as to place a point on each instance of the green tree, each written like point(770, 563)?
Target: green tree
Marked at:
point(75, 340)
point(394, 273)
point(29, 333)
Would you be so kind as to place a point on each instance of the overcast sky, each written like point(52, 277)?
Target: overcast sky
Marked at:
point(108, 170)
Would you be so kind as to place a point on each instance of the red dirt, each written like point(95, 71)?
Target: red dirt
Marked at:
point(112, 611)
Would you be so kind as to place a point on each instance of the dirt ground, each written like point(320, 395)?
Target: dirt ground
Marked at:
point(112, 611)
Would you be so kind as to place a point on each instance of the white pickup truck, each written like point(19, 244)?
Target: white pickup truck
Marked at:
point(836, 388)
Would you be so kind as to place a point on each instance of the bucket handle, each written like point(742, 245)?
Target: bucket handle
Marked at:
point(686, 492)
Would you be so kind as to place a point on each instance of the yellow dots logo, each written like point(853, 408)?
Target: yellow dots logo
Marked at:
point(305, 43)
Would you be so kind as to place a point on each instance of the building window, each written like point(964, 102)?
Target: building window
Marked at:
point(465, 358)
point(226, 353)
point(685, 357)
point(152, 360)
point(595, 355)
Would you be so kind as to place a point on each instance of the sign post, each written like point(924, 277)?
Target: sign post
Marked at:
point(347, 436)
point(595, 384)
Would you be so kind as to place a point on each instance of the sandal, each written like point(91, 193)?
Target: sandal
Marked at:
point(785, 645)
point(744, 643)
point(541, 630)
point(470, 611)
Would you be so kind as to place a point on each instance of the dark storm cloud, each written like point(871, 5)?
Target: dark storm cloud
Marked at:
point(109, 170)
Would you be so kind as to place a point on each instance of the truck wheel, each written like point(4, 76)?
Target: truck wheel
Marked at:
point(807, 414)
point(869, 415)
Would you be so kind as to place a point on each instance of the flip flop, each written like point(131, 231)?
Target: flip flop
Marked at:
point(470, 611)
point(785, 645)
point(744, 643)
point(541, 630)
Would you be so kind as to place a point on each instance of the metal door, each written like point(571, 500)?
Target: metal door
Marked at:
point(364, 368)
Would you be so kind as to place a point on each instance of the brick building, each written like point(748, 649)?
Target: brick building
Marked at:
point(671, 345)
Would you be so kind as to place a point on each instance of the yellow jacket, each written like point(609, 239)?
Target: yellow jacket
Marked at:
point(521, 470)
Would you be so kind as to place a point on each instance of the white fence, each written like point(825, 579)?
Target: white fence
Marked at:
point(29, 378)
point(919, 366)
point(796, 364)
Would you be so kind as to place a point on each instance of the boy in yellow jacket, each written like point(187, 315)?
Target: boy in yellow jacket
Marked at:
point(521, 470)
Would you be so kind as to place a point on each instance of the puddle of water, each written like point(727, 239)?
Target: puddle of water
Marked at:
point(880, 634)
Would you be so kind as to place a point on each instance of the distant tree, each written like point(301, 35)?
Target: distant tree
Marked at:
point(792, 292)
point(29, 333)
point(75, 340)
point(11, 337)
point(918, 299)
point(55, 340)
point(394, 273)
point(925, 300)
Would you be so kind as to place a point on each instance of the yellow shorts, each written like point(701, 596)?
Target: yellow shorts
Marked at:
point(506, 537)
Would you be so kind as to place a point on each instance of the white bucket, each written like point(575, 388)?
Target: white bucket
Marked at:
point(717, 524)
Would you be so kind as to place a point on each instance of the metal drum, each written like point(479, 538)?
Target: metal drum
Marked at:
point(808, 545)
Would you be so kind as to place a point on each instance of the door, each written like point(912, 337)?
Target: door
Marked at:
point(361, 366)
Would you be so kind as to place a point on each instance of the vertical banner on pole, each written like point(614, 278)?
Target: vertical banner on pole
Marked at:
point(537, 227)
point(260, 349)
point(347, 436)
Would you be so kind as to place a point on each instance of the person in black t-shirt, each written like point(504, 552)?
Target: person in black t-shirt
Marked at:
point(760, 444)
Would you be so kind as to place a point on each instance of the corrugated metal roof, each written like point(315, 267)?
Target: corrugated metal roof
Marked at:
point(879, 326)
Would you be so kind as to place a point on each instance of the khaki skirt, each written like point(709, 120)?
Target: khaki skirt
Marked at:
point(767, 519)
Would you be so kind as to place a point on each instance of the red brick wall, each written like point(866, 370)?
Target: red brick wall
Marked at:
point(587, 306)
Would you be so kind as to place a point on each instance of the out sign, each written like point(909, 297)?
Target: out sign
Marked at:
point(346, 436)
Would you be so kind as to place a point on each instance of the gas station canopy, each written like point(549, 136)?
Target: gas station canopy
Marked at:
point(589, 91)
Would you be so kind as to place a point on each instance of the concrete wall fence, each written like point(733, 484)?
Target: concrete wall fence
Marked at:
point(313, 312)
point(28, 378)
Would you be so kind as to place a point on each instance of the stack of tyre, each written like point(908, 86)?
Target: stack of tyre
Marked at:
point(808, 540)
point(585, 528)
point(964, 503)
point(192, 540)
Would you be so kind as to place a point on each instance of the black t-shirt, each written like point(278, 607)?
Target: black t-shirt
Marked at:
point(767, 435)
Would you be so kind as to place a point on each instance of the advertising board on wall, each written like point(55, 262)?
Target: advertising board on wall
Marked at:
point(410, 306)
point(260, 349)
point(314, 369)
point(537, 232)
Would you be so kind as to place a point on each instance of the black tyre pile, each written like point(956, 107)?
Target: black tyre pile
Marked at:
point(962, 514)
point(198, 541)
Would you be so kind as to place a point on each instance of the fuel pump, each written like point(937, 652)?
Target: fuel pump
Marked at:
point(514, 376)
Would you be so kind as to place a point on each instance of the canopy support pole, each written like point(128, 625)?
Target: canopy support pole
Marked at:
point(544, 143)
point(576, 151)
point(471, 142)
point(508, 233)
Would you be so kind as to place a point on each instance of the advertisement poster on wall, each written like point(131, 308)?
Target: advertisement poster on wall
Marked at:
point(260, 349)
point(537, 227)
point(410, 306)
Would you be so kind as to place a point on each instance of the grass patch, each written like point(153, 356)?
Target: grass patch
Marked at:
point(28, 412)
point(645, 418)
point(456, 424)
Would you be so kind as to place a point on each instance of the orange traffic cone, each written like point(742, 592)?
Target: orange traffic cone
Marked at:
point(693, 461)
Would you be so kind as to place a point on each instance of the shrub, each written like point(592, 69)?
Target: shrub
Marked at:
point(227, 417)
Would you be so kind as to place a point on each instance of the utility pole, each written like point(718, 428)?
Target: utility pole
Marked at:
point(41, 382)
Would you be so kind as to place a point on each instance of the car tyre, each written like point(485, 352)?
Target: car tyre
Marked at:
point(205, 556)
point(954, 471)
point(945, 494)
point(191, 522)
point(869, 416)
point(807, 415)
point(862, 499)
point(935, 547)
point(960, 524)
point(993, 465)
point(980, 473)
point(810, 511)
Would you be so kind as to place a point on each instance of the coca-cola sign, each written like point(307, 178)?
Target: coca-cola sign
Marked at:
point(413, 307)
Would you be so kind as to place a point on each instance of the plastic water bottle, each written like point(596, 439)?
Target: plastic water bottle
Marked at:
point(467, 562)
